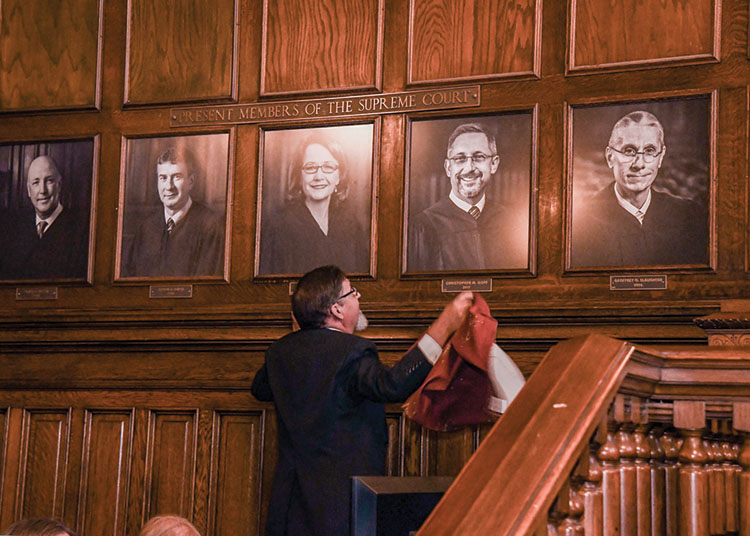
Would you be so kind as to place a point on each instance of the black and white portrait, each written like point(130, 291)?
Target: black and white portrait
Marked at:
point(173, 207)
point(640, 184)
point(469, 190)
point(315, 199)
point(46, 206)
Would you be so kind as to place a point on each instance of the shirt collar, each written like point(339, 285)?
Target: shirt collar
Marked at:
point(463, 205)
point(638, 213)
point(52, 218)
point(177, 216)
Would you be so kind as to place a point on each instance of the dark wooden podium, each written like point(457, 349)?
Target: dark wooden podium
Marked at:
point(393, 505)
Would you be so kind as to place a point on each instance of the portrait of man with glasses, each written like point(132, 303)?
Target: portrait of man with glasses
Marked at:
point(479, 223)
point(635, 220)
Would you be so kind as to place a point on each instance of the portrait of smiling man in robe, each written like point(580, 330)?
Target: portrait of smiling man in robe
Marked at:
point(174, 207)
point(469, 194)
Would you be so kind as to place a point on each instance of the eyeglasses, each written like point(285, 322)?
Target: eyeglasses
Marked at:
point(312, 168)
point(630, 154)
point(352, 291)
point(477, 158)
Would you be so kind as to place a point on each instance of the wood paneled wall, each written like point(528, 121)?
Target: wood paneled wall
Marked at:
point(118, 406)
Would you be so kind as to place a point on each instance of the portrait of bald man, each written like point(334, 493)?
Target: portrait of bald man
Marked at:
point(643, 217)
point(46, 236)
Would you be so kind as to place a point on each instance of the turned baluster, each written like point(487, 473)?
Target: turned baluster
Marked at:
point(716, 484)
point(689, 419)
point(671, 444)
point(628, 490)
point(608, 455)
point(591, 491)
point(658, 487)
point(741, 420)
point(643, 480)
point(730, 467)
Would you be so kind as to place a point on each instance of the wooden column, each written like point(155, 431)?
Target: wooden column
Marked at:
point(658, 483)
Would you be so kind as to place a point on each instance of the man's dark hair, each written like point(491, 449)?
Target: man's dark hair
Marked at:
point(316, 291)
point(38, 527)
point(175, 155)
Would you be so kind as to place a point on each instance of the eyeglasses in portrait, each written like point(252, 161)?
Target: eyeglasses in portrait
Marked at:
point(640, 175)
point(469, 194)
point(315, 199)
point(173, 207)
point(46, 210)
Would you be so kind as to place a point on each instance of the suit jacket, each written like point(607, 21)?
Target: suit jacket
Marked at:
point(328, 388)
point(61, 252)
point(444, 237)
point(292, 242)
point(195, 247)
point(674, 232)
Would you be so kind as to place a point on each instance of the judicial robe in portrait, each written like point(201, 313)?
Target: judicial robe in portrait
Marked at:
point(60, 253)
point(293, 243)
point(328, 388)
point(194, 248)
point(674, 232)
point(444, 237)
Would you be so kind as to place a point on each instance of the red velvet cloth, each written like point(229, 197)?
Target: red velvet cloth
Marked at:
point(457, 389)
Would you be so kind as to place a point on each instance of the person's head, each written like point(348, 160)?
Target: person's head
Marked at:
point(320, 170)
point(43, 184)
point(471, 160)
point(169, 525)
point(39, 527)
point(175, 177)
point(635, 152)
point(324, 297)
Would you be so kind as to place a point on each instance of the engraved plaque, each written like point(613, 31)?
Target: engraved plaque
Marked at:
point(474, 284)
point(170, 291)
point(638, 282)
point(36, 293)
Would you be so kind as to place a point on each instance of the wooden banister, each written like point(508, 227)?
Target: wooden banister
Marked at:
point(639, 415)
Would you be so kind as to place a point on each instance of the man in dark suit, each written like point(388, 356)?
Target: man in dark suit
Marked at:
point(50, 243)
point(468, 230)
point(629, 223)
point(184, 238)
point(328, 387)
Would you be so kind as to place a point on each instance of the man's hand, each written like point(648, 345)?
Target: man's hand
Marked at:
point(451, 318)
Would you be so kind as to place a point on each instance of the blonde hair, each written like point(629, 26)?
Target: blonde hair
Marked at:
point(169, 525)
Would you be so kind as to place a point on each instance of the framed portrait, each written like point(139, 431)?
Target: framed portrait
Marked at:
point(639, 184)
point(47, 194)
point(469, 188)
point(315, 199)
point(173, 207)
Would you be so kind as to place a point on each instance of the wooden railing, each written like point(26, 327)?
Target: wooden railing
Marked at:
point(611, 438)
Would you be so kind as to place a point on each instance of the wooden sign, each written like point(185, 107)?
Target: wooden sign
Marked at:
point(388, 103)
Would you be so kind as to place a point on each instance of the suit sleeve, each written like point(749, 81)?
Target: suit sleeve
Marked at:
point(261, 387)
point(372, 380)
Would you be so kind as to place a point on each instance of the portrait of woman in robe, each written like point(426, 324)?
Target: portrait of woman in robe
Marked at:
point(317, 224)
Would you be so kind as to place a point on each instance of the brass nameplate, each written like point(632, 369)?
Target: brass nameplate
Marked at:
point(170, 291)
point(387, 103)
point(474, 284)
point(36, 293)
point(638, 282)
